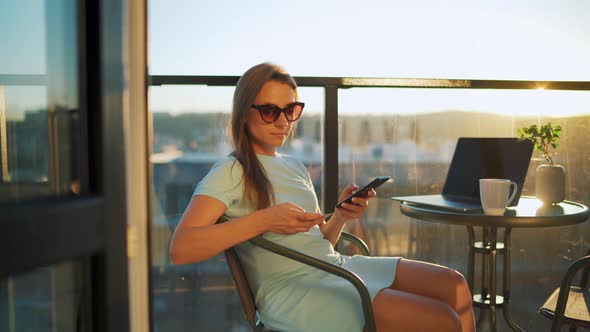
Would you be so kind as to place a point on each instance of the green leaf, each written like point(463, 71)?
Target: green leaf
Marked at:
point(544, 137)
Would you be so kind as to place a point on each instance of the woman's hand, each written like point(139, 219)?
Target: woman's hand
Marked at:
point(359, 205)
point(288, 218)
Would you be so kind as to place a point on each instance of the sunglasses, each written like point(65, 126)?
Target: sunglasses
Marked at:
point(270, 113)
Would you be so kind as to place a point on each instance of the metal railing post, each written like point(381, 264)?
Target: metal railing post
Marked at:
point(330, 161)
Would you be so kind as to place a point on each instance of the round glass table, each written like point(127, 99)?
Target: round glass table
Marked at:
point(528, 213)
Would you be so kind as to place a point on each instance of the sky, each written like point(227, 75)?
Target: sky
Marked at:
point(522, 39)
point(508, 40)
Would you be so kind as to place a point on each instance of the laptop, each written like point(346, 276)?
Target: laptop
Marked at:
point(475, 158)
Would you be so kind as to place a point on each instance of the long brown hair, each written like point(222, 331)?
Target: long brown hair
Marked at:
point(258, 190)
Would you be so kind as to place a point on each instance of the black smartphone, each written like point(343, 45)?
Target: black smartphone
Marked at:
point(364, 190)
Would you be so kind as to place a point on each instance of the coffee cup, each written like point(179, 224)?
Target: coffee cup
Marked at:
point(495, 195)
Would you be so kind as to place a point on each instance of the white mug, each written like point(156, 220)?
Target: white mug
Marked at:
point(495, 195)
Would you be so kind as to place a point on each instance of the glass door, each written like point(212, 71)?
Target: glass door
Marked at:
point(62, 229)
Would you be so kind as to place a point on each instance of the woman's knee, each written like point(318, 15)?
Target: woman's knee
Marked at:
point(401, 311)
point(441, 318)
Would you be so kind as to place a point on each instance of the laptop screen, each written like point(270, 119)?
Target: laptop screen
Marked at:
point(476, 158)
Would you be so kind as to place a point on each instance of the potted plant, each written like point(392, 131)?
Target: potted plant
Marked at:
point(550, 178)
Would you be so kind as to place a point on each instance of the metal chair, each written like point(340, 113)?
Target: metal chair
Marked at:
point(570, 305)
point(247, 298)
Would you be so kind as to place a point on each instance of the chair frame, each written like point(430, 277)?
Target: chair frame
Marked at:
point(558, 317)
point(247, 299)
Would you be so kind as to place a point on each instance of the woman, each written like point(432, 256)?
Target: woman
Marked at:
point(262, 192)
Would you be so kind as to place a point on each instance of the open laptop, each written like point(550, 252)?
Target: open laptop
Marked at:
point(476, 158)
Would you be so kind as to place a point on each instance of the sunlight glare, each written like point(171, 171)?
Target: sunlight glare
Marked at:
point(538, 102)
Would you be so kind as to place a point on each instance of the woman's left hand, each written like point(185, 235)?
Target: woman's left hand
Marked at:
point(357, 208)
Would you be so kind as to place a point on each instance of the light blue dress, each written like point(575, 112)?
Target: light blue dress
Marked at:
point(291, 296)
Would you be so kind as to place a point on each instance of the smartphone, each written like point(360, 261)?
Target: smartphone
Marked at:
point(364, 190)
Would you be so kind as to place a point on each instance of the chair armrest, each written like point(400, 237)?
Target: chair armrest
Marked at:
point(585, 274)
point(357, 241)
point(566, 283)
point(357, 282)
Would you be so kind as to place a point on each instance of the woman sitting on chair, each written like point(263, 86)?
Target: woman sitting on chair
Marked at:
point(262, 192)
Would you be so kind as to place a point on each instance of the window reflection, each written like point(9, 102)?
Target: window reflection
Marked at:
point(39, 150)
point(44, 300)
point(25, 157)
point(39, 107)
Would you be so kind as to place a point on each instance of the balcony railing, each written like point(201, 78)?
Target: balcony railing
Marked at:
point(332, 85)
point(413, 147)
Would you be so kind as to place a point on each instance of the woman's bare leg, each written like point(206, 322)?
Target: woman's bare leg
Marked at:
point(396, 310)
point(436, 282)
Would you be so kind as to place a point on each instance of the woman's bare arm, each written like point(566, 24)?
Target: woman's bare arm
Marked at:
point(198, 237)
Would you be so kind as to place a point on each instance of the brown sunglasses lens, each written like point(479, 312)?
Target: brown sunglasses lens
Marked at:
point(294, 112)
point(270, 113)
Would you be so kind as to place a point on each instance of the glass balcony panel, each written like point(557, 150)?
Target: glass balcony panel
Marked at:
point(410, 134)
point(187, 141)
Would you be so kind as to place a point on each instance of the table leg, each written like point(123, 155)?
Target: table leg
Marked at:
point(471, 259)
point(492, 281)
point(487, 301)
point(506, 281)
point(484, 264)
